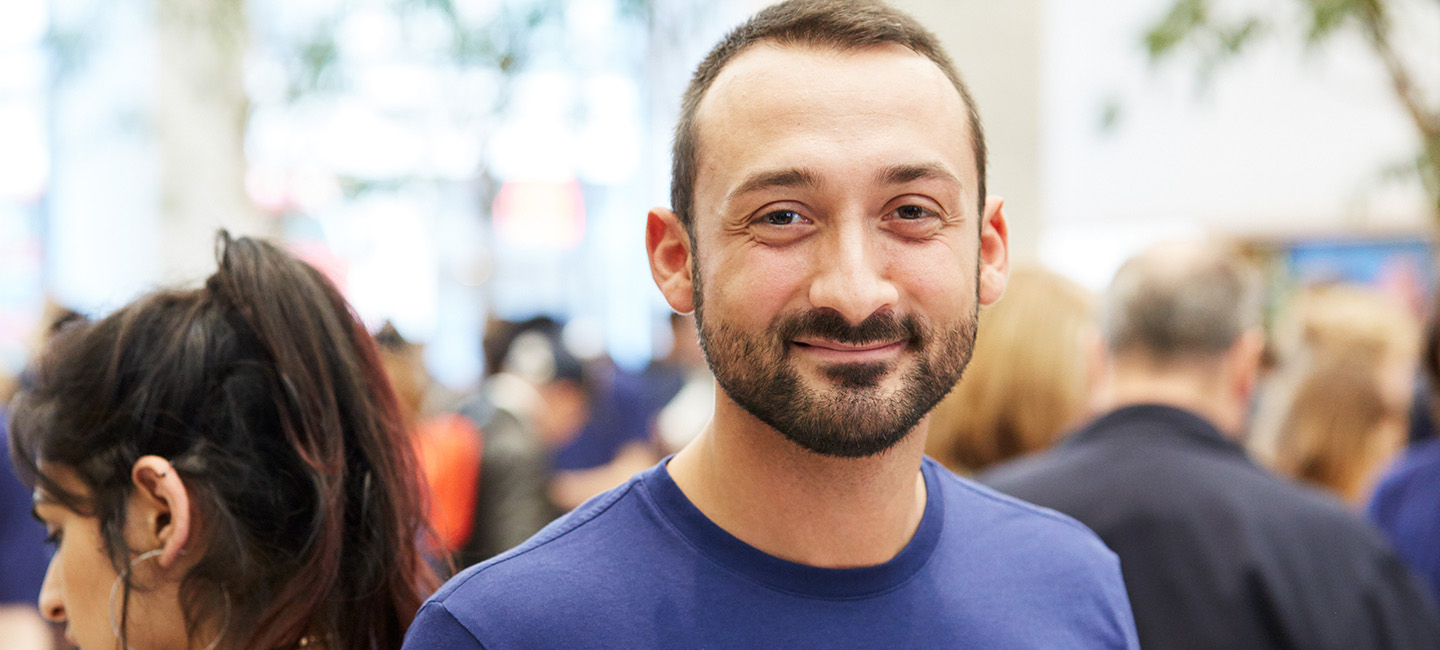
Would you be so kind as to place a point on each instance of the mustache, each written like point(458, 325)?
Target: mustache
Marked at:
point(826, 323)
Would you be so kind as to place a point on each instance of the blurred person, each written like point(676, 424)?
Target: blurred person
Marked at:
point(834, 243)
point(592, 418)
point(1327, 325)
point(1340, 429)
point(448, 445)
point(1216, 552)
point(1406, 500)
point(224, 467)
point(665, 376)
point(512, 500)
point(689, 394)
point(1029, 380)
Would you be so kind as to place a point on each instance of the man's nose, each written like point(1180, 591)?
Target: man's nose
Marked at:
point(852, 275)
point(51, 603)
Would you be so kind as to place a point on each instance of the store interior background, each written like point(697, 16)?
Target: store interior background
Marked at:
point(503, 169)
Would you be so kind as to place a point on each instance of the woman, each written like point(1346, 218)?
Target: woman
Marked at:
point(1340, 430)
point(224, 467)
point(1035, 365)
point(1333, 413)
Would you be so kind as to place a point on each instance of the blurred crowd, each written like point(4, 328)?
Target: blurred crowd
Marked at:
point(1346, 393)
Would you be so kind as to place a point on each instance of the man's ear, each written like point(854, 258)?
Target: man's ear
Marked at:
point(669, 247)
point(1098, 372)
point(161, 504)
point(994, 251)
point(1243, 361)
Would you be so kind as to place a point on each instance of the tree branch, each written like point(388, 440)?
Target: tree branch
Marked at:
point(1377, 27)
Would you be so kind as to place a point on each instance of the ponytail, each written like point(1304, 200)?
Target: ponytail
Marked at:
point(267, 395)
point(339, 415)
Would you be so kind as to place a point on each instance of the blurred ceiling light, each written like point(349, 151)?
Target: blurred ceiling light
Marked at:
point(540, 215)
point(369, 34)
point(24, 159)
point(23, 23)
point(609, 140)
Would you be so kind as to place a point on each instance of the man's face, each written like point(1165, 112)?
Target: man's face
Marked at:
point(836, 271)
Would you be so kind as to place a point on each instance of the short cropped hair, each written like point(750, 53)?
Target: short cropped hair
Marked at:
point(1181, 301)
point(842, 25)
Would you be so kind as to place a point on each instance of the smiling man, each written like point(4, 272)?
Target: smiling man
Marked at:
point(831, 231)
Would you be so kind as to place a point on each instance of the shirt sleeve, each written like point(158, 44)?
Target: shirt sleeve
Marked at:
point(435, 628)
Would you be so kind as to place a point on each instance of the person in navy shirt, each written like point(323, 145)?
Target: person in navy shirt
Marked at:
point(1407, 498)
point(831, 232)
point(1217, 551)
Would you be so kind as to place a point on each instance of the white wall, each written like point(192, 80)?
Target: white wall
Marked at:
point(996, 46)
point(1283, 141)
point(1280, 142)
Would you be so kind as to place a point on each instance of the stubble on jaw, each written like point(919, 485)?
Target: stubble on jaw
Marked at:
point(853, 417)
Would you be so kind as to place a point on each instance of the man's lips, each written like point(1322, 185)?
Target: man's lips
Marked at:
point(849, 353)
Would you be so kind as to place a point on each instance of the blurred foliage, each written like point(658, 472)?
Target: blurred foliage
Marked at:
point(1217, 35)
point(504, 43)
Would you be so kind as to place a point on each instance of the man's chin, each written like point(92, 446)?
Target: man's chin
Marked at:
point(870, 375)
point(845, 442)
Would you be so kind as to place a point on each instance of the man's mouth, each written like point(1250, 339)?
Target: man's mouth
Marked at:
point(839, 352)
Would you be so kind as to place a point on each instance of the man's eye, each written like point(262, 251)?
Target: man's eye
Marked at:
point(913, 213)
point(781, 218)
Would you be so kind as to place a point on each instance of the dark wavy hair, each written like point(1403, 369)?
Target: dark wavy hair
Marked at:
point(265, 392)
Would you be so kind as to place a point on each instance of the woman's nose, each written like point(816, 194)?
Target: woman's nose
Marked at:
point(52, 604)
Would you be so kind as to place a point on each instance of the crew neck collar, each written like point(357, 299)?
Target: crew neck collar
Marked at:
point(739, 557)
point(1157, 423)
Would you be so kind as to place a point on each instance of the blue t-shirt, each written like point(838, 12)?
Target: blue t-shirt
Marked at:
point(1406, 505)
point(641, 567)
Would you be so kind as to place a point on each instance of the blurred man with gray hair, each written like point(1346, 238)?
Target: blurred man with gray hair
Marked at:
point(1216, 552)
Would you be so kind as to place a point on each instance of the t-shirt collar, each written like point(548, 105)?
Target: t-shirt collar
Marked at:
point(736, 556)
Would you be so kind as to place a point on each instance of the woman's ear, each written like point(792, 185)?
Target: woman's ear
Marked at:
point(161, 504)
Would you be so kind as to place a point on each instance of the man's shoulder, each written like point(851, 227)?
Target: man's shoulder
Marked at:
point(984, 501)
point(1007, 526)
point(568, 550)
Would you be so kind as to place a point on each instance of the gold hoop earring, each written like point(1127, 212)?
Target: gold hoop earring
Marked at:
point(115, 588)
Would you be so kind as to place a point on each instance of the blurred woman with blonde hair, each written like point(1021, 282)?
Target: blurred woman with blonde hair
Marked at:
point(1340, 429)
point(1029, 379)
point(1335, 411)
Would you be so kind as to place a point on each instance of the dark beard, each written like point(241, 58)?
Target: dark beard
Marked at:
point(852, 419)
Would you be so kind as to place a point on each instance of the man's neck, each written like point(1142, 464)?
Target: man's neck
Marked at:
point(1200, 393)
point(795, 504)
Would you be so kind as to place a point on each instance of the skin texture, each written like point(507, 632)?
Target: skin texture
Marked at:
point(77, 584)
point(840, 183)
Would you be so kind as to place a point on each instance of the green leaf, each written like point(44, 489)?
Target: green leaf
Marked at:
point(1234, 39)
point(1326, 16)
point(1184, 19)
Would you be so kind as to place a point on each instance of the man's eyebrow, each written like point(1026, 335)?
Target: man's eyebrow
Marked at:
point(795, 177)
point(898, 174)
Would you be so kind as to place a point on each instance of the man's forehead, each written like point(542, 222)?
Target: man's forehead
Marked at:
point(770, 63)
point(783, 107)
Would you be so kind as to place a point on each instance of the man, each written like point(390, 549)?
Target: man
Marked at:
point(831, 232)
point(1216, 552)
